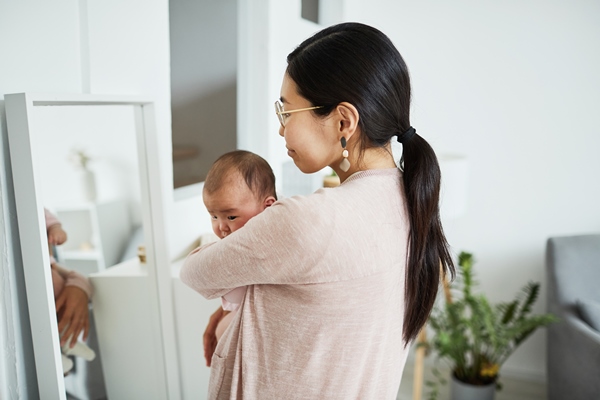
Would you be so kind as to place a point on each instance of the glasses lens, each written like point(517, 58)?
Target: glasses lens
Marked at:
point(279, 112)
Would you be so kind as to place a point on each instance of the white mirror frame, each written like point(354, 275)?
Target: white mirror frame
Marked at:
point(22, 131)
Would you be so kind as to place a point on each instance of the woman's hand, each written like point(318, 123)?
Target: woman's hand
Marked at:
point(56, 235)
point(73, 314)
point(210, 337)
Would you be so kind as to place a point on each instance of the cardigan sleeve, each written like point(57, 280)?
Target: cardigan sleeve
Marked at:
point(282, 245)
point(73, 278)
point(51, 219)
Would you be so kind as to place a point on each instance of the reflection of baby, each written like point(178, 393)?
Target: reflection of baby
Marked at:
point(61, 278)
point(238, 186)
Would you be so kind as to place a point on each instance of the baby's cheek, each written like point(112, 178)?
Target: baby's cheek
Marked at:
point(237, 225)
point(215, 228)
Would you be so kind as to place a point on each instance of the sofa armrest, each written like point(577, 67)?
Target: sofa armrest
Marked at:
point(586, 332)
point(573, 358)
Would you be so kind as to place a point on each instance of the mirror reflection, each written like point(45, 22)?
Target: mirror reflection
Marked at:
point(89, 180)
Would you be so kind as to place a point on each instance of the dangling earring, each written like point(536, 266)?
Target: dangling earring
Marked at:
point(345, 164)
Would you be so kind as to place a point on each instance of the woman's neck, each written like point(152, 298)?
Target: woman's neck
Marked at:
point(372, 158)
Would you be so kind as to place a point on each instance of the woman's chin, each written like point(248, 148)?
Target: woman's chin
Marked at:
point(306, 169)
point(302, 165)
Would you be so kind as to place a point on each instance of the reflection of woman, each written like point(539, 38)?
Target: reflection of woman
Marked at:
point(72, 290)
point(341, 281)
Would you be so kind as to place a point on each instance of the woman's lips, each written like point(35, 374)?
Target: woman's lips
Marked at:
point(291, 153)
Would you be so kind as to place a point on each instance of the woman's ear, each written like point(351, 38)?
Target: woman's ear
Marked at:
point(269, 201)
point(348, 120)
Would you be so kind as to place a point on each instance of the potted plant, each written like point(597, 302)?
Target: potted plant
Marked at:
point(331, 180)
point(81, 161)
point(476, 337)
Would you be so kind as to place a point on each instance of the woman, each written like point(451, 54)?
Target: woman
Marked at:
point(339, 282)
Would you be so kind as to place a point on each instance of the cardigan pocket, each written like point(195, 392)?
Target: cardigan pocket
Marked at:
point(217, 375)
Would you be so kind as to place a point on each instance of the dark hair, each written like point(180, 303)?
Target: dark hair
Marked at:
point(358, 64)
point(255, 170)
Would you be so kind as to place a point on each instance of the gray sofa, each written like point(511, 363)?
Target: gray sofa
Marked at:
point(573, 271)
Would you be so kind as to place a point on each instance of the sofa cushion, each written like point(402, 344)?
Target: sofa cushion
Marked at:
point(590, 312)
point(574, 268)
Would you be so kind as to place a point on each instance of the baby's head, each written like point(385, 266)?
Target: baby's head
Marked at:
point(238, 186)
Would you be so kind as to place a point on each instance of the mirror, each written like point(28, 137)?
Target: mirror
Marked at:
point(89, 179)
point(92, 161)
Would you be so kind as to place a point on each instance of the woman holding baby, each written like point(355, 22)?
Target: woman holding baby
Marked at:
point(338, 283)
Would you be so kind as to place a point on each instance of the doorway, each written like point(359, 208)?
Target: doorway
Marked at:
point(203, 36)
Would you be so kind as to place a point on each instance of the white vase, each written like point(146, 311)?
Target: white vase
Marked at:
point(88, 185)
point(464, 391)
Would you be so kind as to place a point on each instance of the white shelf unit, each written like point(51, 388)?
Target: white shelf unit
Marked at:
point(97, 234)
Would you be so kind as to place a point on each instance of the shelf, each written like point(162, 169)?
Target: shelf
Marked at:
point(190, 180)
point(97, 234)
point(80, 255)
point(184, 152)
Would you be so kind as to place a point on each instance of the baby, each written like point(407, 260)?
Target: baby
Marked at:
point(60, 279)
point(239, 185)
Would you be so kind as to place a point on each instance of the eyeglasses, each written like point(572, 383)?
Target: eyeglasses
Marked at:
point(283, 114)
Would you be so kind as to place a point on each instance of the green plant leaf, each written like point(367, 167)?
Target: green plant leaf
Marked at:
point(476, 336)
point(508, 311)
point(531, 291)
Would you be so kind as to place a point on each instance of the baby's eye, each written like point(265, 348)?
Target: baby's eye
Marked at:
point(231, 218)
point(213, 216)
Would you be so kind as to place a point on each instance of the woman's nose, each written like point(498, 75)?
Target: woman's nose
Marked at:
point(281, 129)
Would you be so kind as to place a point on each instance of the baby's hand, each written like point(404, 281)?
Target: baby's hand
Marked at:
point(210, 337)
point(56, 235)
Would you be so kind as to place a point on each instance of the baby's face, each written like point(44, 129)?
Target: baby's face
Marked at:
point(231, 206)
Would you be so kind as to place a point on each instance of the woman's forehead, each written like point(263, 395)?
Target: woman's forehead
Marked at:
point(289, 91)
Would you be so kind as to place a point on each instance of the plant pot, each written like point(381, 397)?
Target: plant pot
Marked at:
point(331, 181)
point(465, 391)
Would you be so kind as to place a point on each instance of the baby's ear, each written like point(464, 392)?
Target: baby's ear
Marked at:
point(269, 201)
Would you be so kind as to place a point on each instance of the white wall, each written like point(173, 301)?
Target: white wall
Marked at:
point(68, 46)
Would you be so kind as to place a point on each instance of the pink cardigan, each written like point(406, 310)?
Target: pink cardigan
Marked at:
point(323, 312)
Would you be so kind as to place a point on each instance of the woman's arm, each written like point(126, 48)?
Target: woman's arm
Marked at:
point(56, 235)
point(73, 315)
point(72, 306)
point(282, 245)
point(73, 278)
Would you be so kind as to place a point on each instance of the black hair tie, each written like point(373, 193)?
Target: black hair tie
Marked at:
point(407, 135)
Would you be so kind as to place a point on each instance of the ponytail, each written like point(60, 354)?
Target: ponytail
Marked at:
point(428, 253)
